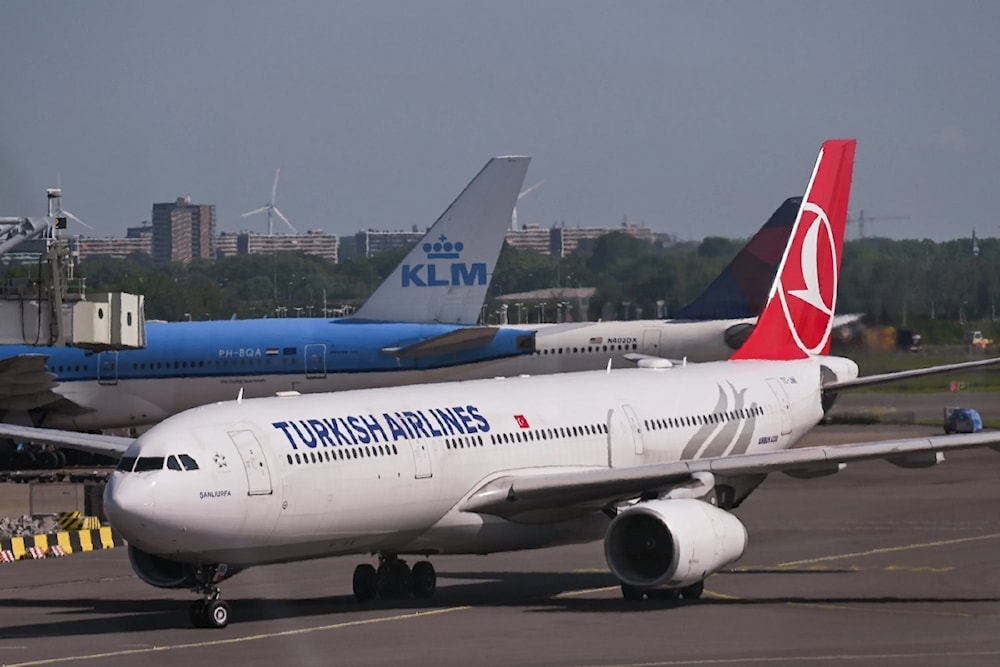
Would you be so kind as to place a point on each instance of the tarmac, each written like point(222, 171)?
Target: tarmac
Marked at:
point(874, 565)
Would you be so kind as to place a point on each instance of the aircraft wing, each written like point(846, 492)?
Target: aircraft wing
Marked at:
point(95, 443)
point(523, 492)
point(26, 385)
point(896, 376)
point(459, 340)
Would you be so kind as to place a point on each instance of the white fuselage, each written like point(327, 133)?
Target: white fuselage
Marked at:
point(385, 470)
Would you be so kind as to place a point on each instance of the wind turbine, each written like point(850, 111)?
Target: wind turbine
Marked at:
point(513, 215)
point(271, 208)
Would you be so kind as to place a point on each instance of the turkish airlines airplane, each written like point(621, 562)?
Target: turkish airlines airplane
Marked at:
point(649, 459)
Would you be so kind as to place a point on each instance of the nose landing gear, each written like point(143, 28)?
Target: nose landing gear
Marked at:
point(393, 580)
point(212, 611)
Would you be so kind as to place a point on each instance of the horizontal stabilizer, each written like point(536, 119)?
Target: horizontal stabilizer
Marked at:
point(896, 376)
point(459, 340)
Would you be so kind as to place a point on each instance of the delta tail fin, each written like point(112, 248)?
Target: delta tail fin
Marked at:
point(798, 317)
point(445, 277)
point(741, 290)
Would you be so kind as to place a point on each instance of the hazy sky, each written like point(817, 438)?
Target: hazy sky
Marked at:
point(697, 118)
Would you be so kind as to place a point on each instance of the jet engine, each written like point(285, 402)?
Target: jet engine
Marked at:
point(737, 334)
point(672, 543)
point(159, 572)
point(163, 573)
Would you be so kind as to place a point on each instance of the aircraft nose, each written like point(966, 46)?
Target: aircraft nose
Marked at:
point(129, 505)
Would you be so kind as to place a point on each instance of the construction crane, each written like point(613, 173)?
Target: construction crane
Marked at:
point(861, 219)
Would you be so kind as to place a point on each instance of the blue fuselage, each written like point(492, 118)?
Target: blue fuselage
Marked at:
point(191, 363)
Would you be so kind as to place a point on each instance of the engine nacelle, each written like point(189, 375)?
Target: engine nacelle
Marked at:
point(160, 572)
point(672, 543)
point(164, 573)
point(737, 334)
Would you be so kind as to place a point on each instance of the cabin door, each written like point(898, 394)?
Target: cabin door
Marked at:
point(651, 342)
point(316, 360)
point(421, 460)
point(254, 462)
point(107, 368)
point(783, 406)
point(624, 440)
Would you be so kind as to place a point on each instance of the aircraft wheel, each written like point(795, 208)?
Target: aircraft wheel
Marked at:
point(196, 612)
point(632, 593)
point(396, 582)
point(24, 460)
point(424, 579)
point(216, 614)
point(663, 593)
point(47, 460)
point(365, 583)
point(694, 591)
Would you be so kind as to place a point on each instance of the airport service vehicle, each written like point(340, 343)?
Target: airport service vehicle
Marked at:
point(962, 420)
point(650, 459)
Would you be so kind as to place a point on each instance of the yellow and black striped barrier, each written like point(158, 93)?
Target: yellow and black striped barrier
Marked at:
point(59, 543)
point(77, 521)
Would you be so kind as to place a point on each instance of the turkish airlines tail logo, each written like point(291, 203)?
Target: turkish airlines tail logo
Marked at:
point(798, 317)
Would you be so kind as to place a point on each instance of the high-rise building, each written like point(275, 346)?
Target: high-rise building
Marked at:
point(313, 242)
point(560, 240)
point(112, 247)
point(182, 231)
point(372, 241)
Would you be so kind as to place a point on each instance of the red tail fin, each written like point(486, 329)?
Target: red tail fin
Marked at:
point(798, 317)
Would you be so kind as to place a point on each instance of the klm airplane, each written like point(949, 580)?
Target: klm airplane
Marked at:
point(418, 323)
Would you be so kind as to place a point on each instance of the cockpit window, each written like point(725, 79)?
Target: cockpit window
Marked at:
point(147, 463)
point(126, 464)
point(173, 463)
point(189, 463)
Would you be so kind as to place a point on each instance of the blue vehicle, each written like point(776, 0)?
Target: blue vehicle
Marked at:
point(962, 420)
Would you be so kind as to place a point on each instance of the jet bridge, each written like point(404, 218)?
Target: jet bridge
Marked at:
point(47, 305)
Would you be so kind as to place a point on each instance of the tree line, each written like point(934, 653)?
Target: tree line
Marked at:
point(902, 283)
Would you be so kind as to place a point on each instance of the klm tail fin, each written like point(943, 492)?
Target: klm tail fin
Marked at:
point(446, 276)
point(798, 317)
point(740, 291)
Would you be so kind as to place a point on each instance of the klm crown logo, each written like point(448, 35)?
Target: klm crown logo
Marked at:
point(444, 249)
point(439, 273)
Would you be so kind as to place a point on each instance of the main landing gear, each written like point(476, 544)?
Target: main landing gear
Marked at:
point(394, 580)
point(211, 611)
point(692, 592)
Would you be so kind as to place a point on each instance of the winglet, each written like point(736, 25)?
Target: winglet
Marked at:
point(446, 276)
point(798, 317)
